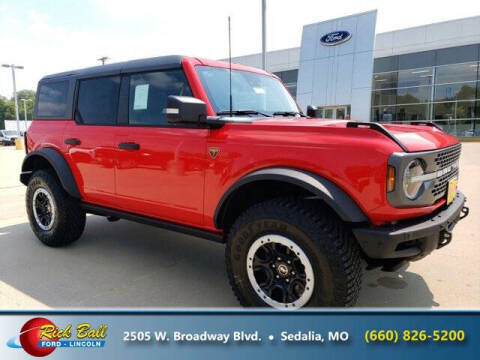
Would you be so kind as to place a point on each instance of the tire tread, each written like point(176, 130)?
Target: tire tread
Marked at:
point(340, 248)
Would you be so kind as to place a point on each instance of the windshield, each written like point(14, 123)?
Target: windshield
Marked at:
point(250, 91)
point(9, 132)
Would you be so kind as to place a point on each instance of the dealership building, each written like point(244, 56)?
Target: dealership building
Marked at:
point(346, 70)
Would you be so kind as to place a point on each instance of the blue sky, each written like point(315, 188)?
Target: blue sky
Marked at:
point(48, 36)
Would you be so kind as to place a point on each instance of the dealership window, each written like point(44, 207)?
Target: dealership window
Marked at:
point(415, 77)
point(458, 117)
point(385, 80)
point(292, 89)
point(384, 97)
point(444, 111)
point(456, 73)
point(457, 54)
point(413, 95)
point(384, 114)
point(338, 112)
point(459, 91)
point(98, 101)
point(149, 92)
point(447, 93)
point(289, 79)
point(466, 109)
point(412, 112)
point(52, 99)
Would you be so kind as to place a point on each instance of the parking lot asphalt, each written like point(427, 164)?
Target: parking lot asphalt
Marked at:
point(124, 264)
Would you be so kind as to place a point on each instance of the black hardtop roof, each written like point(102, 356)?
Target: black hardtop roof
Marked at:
point(161, 62)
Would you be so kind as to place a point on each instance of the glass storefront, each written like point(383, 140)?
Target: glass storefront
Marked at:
point(289, 78)
point(445, 89)
point(337, 112)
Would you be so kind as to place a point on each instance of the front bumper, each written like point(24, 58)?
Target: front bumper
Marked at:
point(412, 239)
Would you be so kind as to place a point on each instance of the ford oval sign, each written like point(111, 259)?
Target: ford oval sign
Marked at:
point(335, 38)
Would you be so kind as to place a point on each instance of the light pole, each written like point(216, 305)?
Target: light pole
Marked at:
point(264, 34)
point(103, 59)
point(25, 111)
point(13, 67)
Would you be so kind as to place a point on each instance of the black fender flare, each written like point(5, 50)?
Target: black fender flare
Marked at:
point(345, 207)
point(59, 165)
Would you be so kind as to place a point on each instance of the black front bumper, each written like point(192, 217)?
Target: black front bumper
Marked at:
point(412, 239)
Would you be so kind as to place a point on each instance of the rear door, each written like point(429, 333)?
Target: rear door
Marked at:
point(90, 138)
point(160, 167)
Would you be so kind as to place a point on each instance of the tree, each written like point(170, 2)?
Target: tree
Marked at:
point(7, 107)
point(28, 95)
point(3, 109)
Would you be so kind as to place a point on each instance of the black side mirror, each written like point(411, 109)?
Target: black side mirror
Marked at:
point(312, 111)
point(185, 109)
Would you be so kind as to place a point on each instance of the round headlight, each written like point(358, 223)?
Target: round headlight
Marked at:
point(410, 186)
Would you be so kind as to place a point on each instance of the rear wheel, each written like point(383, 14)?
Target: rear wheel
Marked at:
point(55, 217)
point(288, 253)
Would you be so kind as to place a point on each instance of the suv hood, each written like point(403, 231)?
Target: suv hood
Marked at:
point(413, 137)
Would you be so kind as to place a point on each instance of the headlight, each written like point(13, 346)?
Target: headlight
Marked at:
point(411, 187)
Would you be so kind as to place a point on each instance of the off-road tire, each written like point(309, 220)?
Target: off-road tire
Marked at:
point(69, 219)
point(324, 238)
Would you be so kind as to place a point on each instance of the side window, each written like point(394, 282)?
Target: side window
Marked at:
point(52, 99)
point(97, 101)
point(149, 92)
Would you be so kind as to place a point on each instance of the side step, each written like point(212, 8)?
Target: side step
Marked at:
point(117, 214)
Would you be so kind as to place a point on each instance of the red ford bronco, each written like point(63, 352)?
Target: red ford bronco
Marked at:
point(227, 155)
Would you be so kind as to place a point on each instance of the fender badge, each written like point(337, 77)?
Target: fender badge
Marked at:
point(213, 151)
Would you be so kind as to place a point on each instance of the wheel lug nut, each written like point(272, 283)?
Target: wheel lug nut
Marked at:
point(273, 265)
point(278, 276)
point(279, 259)
point(293, 272)
point(289, 262)
point(287, 280)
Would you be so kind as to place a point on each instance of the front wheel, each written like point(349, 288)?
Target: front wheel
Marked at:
point(289, 253)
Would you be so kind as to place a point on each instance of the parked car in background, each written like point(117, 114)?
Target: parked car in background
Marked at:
point(7, 137)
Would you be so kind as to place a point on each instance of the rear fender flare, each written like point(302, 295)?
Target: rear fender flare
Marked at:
point(59, 165)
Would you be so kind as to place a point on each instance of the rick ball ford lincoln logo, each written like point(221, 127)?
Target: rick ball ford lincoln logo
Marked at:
point(335, 38)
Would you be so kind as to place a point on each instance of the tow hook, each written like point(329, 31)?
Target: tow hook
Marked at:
point(464, 212)
point(446, 235)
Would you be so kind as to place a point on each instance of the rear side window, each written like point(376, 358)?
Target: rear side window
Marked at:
point(98, 101)
point(149, 92)
point(52, 99)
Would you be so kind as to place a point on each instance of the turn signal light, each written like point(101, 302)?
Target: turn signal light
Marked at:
point(390, 179)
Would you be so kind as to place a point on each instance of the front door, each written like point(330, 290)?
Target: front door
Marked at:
point(90, 139)
point(160, 167)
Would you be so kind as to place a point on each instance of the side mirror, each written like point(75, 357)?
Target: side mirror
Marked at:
point(312, 111)
point(185, 109)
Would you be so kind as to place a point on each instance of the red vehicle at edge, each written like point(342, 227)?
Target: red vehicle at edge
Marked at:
point(300, 202)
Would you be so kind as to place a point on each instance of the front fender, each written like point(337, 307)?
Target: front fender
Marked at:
point(334, 196)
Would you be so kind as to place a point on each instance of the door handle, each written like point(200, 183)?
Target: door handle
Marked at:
point(72, 141)
point(129, 146)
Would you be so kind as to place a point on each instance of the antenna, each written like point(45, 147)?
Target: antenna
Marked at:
point(230, 63)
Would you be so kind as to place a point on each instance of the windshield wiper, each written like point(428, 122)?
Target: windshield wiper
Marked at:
point(242, 112)
point(289, 113)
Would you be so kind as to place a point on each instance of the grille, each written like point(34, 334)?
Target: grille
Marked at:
point(440, 187)
point(447, 157)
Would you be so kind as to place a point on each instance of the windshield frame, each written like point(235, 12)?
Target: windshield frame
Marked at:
point(261, 112)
